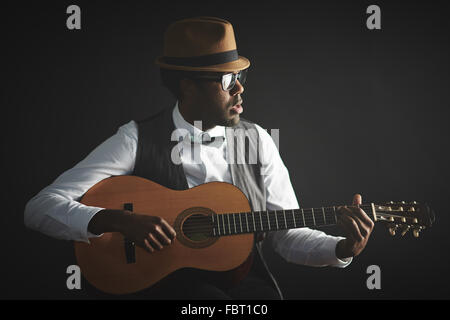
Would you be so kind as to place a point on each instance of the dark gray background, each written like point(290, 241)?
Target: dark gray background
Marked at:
point(358, 111)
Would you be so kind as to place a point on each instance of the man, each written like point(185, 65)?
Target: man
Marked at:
point(202, 68)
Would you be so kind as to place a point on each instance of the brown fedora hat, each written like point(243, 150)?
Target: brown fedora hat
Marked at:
point(201, 44)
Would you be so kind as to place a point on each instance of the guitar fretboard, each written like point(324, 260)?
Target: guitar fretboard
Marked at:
point(263, 221)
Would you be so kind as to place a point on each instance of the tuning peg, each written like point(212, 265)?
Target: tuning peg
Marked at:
point(392, 229)
point(405, 230)
point(416, 232)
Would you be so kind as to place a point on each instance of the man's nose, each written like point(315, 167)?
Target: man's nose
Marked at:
point(237, 89)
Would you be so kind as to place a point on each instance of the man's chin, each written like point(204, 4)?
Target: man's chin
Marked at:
point(234, 120)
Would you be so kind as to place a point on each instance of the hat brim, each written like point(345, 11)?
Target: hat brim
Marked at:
point(240, 64)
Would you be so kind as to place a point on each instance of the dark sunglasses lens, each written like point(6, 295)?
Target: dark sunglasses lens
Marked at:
point(243, 76)
point(228, 81)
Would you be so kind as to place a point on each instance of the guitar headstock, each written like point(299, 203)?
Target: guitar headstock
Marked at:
point(404, 216)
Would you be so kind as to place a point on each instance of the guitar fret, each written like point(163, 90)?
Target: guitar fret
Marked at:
point(324, 220)
point(329, 215)
point(240, 221)
point(214, 229)
point(293, 216)
point(335, 215)
point(276, 219)
point(262, 228)
point(223, 222)
point(255, 221)
point(314, 219)
point(218, 224)
point(268, 219)
point(234, 220)
point(229, 225)
point(248, 230)
point(285, 221)
point(303, 216)
point(254, 224)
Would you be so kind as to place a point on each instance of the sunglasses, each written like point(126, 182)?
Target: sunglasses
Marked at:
point(228, 80)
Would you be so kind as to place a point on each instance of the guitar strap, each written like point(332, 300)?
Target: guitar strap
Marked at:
point(154, 162)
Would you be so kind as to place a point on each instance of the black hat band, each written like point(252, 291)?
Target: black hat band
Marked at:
point(203, 61)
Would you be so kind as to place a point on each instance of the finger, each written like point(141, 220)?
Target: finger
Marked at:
point(351, 226)
point(357, 199)
point(341, 221)
point(340, 211)
point(363, 228)
point(161, 236)
point(362, 216)
point(148, 247)
point(365, 224)
point(167, 228)
point(154, 242)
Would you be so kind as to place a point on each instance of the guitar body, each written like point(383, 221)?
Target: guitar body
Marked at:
point(214, 226)
point(104, 263)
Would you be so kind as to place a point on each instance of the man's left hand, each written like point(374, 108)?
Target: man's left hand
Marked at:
point(358, 227)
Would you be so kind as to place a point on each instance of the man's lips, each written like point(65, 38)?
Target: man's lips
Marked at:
point(239, 103)
point(237, 108)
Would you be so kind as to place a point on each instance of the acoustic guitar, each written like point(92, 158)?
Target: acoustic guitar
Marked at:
point(215, 230)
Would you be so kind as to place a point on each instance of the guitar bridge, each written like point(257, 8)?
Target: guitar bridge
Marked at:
point(129, 246)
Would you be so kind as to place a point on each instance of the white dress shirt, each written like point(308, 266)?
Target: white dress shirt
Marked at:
point(55, 210)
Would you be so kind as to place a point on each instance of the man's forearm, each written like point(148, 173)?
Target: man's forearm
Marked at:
point(108, 220)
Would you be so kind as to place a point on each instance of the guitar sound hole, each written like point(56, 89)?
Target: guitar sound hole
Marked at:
point(197, 227)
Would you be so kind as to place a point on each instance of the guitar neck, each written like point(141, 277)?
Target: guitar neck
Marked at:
point(263, 221)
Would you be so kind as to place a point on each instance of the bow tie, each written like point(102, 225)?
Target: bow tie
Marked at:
point(205, 139)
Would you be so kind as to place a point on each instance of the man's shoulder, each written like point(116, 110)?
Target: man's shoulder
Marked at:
point(129, 129)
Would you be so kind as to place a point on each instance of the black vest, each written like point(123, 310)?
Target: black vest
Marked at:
point(154, 162)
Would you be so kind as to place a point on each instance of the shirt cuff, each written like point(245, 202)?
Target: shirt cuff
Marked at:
point(83, 218)
point(330, 250)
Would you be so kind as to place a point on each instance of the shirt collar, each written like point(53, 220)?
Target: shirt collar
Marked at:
point(195, 133)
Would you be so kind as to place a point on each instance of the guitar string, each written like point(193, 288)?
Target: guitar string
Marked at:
point(273, 221)
point(227, 226)
point(317, 211)
point(288, 212)
point(233, 217)
point(230, 230)
point(202, 226)
point(290, 222)
point(210, 228)
point(318, 215)
point(286, 222)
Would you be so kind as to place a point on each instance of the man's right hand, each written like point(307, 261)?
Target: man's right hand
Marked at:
point(149, 232)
